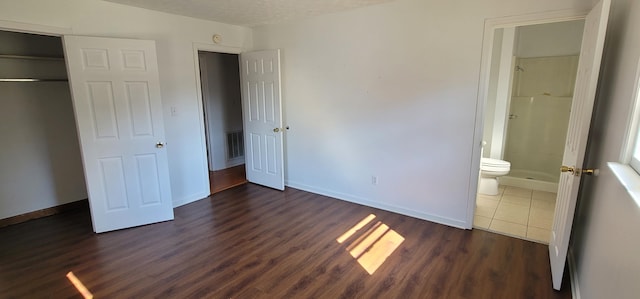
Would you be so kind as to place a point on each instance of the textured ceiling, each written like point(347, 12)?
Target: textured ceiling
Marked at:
point(249, 12)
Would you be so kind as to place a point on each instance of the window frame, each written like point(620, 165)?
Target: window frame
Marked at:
point(627, 170)
point(631, 145)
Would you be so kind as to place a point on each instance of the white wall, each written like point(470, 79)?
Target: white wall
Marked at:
point(553, 39)
point(40, 159)
point(40, 164)
point(606, 234)
point(223, 106)
point(174, 36)
point(490, 104)
point(503, 93)
point(388, 90)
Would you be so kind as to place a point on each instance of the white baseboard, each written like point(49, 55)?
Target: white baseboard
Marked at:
point(573, 273)
point(378, 205)
point(529, 184)
point(234, 162)
point(349, 198)
point(190, 199)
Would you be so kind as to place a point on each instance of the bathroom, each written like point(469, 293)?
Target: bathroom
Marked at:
point(529, 94)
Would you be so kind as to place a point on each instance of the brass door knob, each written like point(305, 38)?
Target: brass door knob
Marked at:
point(566, 169)
point(276, 130)
point(578, 171)
point(572, 170)
point(160, 144)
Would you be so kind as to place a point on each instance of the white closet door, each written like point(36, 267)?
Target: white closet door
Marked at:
point(116, 97)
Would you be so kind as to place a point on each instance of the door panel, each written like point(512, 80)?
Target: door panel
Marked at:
point(147, 170)
point(116, 98)
point(137, 94)
point(576, 142)
point(262, 110)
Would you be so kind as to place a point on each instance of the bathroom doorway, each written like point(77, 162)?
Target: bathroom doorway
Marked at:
point(527, 109)
point(222, 108)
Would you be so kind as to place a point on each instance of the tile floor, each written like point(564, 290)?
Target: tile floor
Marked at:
point(517, 212)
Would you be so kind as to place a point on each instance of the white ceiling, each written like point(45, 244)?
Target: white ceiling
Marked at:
point(249, 12)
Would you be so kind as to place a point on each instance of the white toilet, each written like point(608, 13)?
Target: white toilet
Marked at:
point(490, 170)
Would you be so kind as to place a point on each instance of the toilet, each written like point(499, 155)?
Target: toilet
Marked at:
point(490, 170)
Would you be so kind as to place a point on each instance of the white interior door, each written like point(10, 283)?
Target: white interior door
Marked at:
point(262, 116)
point(116, 98)
point(579, 122)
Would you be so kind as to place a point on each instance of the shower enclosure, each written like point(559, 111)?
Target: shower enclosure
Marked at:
point(539, 113)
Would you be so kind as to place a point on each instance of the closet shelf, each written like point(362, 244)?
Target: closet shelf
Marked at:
point(28, 57)
point(33, 80)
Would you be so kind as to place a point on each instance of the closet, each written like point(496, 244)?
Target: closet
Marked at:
point(40, 162)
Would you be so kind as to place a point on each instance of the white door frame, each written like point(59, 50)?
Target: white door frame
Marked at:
point(34, 28)
point(203, 136)
point(490, 26)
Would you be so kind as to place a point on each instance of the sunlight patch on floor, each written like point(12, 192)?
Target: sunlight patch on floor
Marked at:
point(356, 228)
point(78, 284)
point(372, 247)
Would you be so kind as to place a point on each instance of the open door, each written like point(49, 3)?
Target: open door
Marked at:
point(262, 117)
point(581, 109)
point(116, 99)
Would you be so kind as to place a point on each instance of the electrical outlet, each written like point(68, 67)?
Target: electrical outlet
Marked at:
point(374, 180)
point(174, 111)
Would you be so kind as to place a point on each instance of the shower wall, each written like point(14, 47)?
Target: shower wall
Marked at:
point(539, 116)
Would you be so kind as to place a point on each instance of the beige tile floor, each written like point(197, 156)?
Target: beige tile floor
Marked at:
point(517, 212)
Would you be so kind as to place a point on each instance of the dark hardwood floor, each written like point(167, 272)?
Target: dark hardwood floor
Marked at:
point(224, 179)
point(255, 242)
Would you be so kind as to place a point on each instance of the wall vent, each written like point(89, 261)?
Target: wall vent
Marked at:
point(235, 145)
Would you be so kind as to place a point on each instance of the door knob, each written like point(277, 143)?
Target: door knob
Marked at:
point(572, 170)
point(160, 144)
point(280, 129)
point(578, 171)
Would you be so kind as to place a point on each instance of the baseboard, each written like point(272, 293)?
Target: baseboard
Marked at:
point(573, 274)
point(75, 205)
point(529, 184)
point(234, 163)
point(378, 205)
point(83, 203)
point(190, 199)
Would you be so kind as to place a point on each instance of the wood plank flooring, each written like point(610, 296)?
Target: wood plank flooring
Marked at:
point(80, 204)
point(224, 179)
point(255, 242)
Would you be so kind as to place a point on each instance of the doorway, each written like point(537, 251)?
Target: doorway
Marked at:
point(222, 108)
point(56, 164)
point(530, 88)
point(41, 169)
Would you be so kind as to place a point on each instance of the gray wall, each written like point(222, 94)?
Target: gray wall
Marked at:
point(223, 108)
point(40, 165)
point(606, 236)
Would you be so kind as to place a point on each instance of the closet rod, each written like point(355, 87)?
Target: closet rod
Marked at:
point(31, 57)
point(33, 80)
